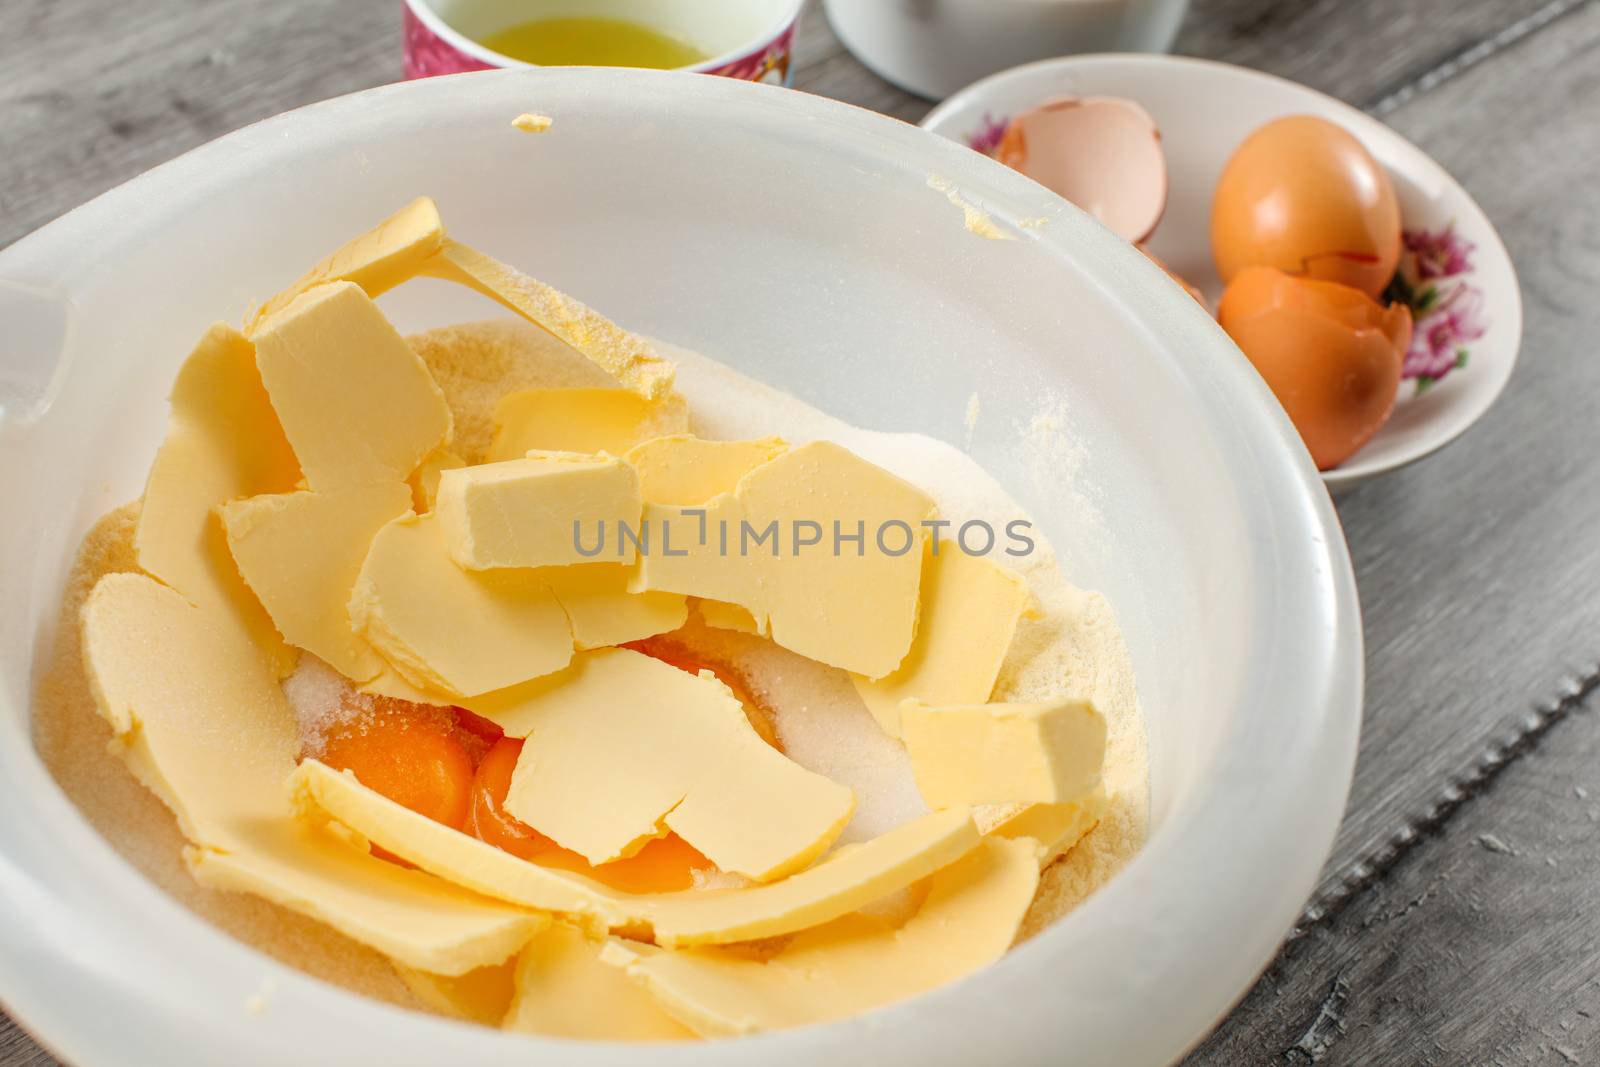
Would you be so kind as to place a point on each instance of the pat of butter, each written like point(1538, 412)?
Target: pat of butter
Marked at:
point(725, 616)
point(684, 469)
point(969, 919)
point(622, 747)
point(450, 630)
point(1056, 827)
point(582, 420)
point(355, 401)
point(563, 990)
point(301, 552)
point(482, 996)
point(216, 741)
point(223, 442)
point(628, 358)
point(1046, 753)
point(798, 546)
point(378, 260)
point(970, 608)
point(847, 879)
point(601, 610)
point(547, 510)
point(425, 479)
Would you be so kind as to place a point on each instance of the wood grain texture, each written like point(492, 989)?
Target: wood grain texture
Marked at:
point(1479, 569)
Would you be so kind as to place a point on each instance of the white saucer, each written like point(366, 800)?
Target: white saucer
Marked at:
point(1204, 110)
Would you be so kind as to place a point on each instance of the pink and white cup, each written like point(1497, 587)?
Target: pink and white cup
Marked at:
point(748, 39)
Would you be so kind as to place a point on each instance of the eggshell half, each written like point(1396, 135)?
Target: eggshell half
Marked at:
point(1330, 354)
point(1102, 153)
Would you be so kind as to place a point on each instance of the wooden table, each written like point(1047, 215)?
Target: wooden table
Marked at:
point(1455, 922)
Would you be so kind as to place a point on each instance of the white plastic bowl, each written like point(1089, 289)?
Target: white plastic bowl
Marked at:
point(798, 240)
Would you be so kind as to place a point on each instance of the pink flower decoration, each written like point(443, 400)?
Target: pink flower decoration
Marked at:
point(1439, 254)
point(989, 135)
point(1438, 343)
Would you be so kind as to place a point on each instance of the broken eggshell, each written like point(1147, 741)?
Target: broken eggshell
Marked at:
point(1103, 153)
point(1330, 353)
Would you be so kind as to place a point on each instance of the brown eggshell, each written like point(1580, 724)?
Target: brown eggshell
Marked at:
point(1305, 196)
point(1330, 354)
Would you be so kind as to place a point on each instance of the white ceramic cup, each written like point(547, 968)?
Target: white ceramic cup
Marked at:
point(934, 47)
point(752, 40)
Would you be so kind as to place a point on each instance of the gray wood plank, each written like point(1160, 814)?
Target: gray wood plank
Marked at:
point(1479, 948)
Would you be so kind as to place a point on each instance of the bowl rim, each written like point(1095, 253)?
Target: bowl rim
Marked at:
point(1355, 470)
point(425, 13)
point(50, 973)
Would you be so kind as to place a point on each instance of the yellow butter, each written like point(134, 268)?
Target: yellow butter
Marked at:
point(378, 260)
point(425, 479)
point(582, 420)
point(784, 546)
point(970, 608)
point(1046, 753)
point(563, 990)
point(854, 964)
point(550, 509)
point(845, 880)
point(300, 553)
point(727, 616)
point(601, 610)
point(628, 358)
point(355, 401)
point(1056, 827)
point(223, 442)
point(449, 630)
point(684, 469)
point(622, 747)
point(216, 741)
point(482, 996)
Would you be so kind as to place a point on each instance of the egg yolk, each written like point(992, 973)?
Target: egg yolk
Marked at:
point(664, 865)
point(414, 760)
point(1331, 354)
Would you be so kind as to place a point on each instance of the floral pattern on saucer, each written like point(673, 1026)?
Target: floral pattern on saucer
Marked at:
point(1446, 308)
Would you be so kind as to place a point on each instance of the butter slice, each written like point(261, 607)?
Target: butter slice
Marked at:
point(845, 880)
point(425, 479)
point(223, 442)
point(1056, 827)
point(970, 607)
point(355, 401)
point(628, 358)
point(301, 553)
point(216, 741)
point(601, 610)
point(563, 990)
point(969, 919)
point(482, 996)
point(683, 469)
point(855, 609)
point(539, 511)
point(725, 616)
point(453, 631)
point(582, 420)
point(1046, 753)
point(622, 747)
point(378, 260)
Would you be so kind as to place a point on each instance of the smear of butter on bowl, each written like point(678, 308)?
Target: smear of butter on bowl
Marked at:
point(528, 122)
point(977, 221)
